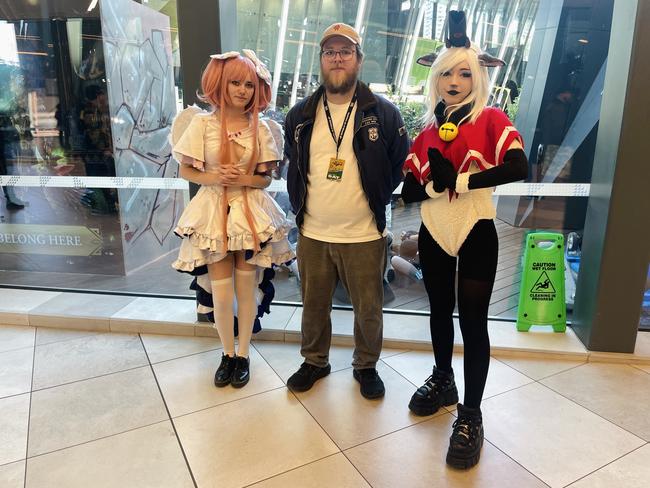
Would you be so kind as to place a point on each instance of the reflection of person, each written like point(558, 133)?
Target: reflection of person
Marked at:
point(232, 225)
point(60, 125)
point(95, 121)
point(554, 125)
point(345, 148)
point(513, 90)
point(9, 147)
point(454, 177)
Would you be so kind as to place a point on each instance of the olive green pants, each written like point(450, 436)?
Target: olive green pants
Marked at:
point(360, 267)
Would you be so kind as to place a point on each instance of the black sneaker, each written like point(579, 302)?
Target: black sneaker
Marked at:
point(438, 390)
point(241, 373)
point(467, 438)
point(306, 376)
point(11, 205)
point(371, 384)
point(223, 376)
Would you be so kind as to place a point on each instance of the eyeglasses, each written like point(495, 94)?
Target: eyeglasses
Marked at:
point(330, 54)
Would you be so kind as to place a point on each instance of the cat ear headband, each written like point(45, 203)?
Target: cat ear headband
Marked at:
point(457, 37)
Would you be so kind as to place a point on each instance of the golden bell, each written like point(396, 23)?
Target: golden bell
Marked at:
point(448, 131)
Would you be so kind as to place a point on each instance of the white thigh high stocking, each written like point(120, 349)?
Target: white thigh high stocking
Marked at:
point(223, 297)
point(245, 288)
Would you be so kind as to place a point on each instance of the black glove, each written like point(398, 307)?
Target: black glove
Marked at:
point(443, 173)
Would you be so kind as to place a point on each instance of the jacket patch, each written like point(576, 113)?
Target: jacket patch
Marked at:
point(296, 132)
point(370, 120)
point(373, 134)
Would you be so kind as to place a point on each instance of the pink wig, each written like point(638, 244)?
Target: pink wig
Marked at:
point(214, 82)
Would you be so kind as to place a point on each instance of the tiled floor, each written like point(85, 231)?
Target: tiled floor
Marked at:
point(94, 409)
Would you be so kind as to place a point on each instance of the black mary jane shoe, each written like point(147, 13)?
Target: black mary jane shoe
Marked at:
point(225, 371)
point(241, 374)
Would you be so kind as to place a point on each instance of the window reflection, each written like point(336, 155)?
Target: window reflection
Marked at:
point(56, 119)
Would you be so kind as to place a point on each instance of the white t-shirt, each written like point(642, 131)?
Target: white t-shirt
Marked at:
point(336, 211)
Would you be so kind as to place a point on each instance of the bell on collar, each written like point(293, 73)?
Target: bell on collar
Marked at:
point(448, 131)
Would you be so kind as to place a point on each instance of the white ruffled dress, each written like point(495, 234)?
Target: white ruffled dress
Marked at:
point(201, 223)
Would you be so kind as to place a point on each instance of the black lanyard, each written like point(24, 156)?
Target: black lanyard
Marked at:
point(345, 121)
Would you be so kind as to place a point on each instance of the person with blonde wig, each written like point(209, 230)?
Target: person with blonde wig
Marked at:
point(232, 227)
point(465, 149)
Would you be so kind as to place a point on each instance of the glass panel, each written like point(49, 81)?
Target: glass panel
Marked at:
point(552, 96)
point(72, 104)
point(88, 93)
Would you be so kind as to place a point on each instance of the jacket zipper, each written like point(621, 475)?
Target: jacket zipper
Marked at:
point(302, 177)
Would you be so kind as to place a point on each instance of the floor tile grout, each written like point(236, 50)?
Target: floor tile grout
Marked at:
point(357, 469)
point(544, 377)
point(423, 420)
point(398, 373)
point(185, 356)
point(516, 462)
point(290, 470)
point(586, 354)
point(16, 349)
point(302, 405)
point(591, 411)
point(29, 414)
point(171, 420)
point(606, 464)
point(636, 366)
point(90, 378)
point(17, 394)
point(90, 441)
point(383, 360)
point(230, 401)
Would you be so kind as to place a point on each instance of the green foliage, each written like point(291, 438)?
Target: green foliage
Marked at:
point(412, 113)
point(512, 109)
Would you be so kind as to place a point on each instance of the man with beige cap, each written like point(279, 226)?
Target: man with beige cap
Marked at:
point(345, 147)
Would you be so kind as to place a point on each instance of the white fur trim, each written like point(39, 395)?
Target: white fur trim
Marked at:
point(462, 182)
point(449, 222)
point(431, 192)
point(504, 135)
point(471, 156)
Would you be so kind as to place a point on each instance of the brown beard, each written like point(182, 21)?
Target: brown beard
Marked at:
point(344, 86)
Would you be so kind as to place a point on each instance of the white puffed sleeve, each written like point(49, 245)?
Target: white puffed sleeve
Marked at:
point(269, 146)
point(191, 143)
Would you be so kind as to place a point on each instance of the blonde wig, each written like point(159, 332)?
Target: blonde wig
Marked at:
point(478, 97)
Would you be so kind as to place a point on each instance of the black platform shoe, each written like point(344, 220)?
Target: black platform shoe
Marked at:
point(438, 390)
point(241, 374)
point(224, 373)
point(467, 438)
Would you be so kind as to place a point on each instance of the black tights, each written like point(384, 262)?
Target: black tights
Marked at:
point(477, 262)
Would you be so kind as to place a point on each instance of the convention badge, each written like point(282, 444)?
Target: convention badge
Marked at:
point(373, 134)
point(448, 132)
point(335, 171)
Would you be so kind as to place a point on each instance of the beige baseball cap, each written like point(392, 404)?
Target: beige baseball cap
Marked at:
point(343, 30)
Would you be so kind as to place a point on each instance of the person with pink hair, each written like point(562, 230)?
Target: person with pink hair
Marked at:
point(232, 228)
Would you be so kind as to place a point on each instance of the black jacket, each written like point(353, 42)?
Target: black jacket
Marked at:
point(380, 144)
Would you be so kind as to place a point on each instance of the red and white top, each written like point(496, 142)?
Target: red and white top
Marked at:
point(479, 146)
